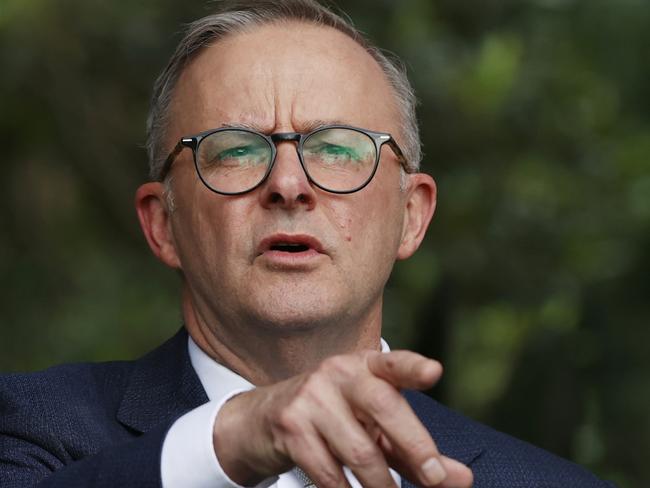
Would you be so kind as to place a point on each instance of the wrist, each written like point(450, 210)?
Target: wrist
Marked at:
point(238, 441)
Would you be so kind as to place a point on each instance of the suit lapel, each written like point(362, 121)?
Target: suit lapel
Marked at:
point(162, 387)
point(451, 431)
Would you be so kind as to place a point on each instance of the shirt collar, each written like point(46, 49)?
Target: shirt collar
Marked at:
point(218, 380)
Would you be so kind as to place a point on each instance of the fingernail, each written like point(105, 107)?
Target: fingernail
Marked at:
point(433, 471)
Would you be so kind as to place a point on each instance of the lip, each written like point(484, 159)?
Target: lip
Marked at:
point(313, 245)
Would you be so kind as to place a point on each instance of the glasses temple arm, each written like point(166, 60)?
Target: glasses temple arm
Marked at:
point(170, 159)
point(400, 155)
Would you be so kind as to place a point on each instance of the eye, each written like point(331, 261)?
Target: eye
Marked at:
point(235, 152)
point(334, 153)
point(233, 149)
point(335, 150)
point(242, 156)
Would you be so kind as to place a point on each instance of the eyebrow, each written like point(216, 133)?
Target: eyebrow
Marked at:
point(319, 123)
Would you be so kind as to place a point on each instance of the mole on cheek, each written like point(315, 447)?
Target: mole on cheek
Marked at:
point(346, 229)
point(342, 222)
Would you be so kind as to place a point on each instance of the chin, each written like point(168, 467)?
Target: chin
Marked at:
point(290, 319)
point(297, 311)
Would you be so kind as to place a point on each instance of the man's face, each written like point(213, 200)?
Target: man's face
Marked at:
point(284, 78)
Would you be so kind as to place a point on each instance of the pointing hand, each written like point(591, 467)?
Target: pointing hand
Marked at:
point(347, 412)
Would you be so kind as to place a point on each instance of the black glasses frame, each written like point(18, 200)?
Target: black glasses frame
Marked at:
point(193, 142)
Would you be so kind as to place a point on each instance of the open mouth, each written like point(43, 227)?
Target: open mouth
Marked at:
point(289, 247)
point(291, 244)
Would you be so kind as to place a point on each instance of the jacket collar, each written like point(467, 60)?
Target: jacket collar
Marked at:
point(162, 387)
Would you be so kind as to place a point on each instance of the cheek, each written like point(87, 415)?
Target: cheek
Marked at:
point(370, 224)
point(201, 236)
point(342, 221)
point(220, 231)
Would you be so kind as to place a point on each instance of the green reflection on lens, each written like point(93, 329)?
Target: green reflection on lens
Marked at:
point(233, 161)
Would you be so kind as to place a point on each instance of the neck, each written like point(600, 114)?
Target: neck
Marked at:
point(265, 355)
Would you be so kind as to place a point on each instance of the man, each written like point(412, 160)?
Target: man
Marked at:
point(284, 155)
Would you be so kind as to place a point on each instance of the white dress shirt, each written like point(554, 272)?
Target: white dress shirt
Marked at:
point(188, 459)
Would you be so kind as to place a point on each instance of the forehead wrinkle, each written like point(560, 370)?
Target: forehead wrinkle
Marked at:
point(257, 121)
point(283, 99)
point(269, 100)
point(300, 127)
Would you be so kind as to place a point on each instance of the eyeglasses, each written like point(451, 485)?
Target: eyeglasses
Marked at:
point(335, 158)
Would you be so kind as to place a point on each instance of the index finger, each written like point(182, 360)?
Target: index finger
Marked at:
point(407, 442)
point(405, 369)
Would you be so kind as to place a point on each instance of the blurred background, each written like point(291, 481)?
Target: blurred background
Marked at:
point(533, 285)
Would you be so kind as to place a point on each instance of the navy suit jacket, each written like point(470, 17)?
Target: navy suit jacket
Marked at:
point(103, 425)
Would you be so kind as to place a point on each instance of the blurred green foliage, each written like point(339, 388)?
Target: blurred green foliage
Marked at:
point(532, 286)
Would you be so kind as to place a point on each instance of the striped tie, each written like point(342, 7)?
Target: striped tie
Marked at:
point(304, 479)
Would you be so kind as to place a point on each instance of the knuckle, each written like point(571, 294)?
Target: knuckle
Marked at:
point(280, 444)
point(339, 364)
point(382, 398)
point(390, 362)
point(362, 454)
point(329, 478)
point(314, 392)
point(287, 420)
point(311, 386)
point(421, 448)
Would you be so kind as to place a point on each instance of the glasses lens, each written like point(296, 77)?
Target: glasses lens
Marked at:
point(233, 161)
point(339, 159)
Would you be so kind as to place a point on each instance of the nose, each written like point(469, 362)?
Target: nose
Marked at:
point(287, 186)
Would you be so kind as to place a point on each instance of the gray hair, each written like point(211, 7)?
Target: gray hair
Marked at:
point(237, 16)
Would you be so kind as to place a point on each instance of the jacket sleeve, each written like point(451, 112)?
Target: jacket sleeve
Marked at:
point(136, 463)
point(59, 428)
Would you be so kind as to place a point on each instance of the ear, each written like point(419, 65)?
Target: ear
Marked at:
point(154, 215)
point(420, 205)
